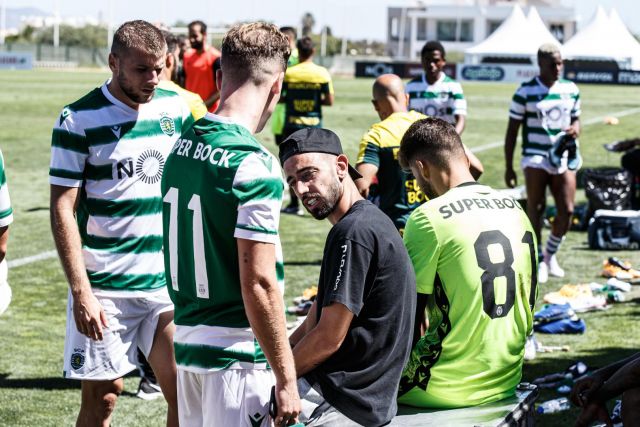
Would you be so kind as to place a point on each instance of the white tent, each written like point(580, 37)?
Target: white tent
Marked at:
point(604, 39)
point(517, 37)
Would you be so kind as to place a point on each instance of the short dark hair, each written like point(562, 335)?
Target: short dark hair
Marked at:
point(430, 139)
point(171, 40)
point(203, 26)
point(305, 47)
point(140, 35)
point(431, 46)
point(247, 47)
point(290, 30)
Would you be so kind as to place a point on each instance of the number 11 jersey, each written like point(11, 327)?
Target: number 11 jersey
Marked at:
point(219, 184)
point(474, 254)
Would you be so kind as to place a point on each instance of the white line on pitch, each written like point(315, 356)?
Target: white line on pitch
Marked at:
point(30, 259)
point(591, 121)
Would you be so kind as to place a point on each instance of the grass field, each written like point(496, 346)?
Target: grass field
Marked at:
point(32, 391)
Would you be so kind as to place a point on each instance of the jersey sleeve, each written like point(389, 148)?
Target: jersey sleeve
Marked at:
point(258, 186)
point(576, 110)
point(459, 102)
point(327, 87)
point(346, 275)
point(424, 250)
point(518, 104)
point(6, 212)
point(369, 149)
point(69, 151)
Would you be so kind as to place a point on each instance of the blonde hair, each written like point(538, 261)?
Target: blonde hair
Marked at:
point(250, 51)
point(547, 50)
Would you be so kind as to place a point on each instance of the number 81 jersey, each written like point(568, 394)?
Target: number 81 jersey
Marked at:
point(219, 184)
point(474, 254)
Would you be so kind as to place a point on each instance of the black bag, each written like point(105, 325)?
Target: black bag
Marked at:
point(607, 188)
point(614, 230)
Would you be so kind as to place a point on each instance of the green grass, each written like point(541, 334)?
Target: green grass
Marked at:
point(32, 391)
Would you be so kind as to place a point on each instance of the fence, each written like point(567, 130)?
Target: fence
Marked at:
point(61, 56)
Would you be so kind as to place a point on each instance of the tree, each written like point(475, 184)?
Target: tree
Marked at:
point(308, 22)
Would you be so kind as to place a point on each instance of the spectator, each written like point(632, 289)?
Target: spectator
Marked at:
point(6, 218)
point(198, 66)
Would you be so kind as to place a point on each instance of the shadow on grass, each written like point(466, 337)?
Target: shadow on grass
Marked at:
point(303, 263)
point(51, 383)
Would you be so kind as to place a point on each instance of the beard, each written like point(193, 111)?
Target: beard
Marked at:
point(132, 93)
point(197, 45)
point(324, 205)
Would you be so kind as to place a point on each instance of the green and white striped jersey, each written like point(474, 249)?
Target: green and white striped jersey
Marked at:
point(443, 99)
point(6, 212)
point(544, 112)
point(219, 185)
point(116, 156)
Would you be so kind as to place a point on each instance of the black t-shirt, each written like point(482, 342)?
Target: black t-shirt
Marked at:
point(367, 269)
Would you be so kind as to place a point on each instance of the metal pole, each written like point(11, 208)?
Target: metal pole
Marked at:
point(110, 24)
point(3, 21)
point(403, 18)
point(56, 24)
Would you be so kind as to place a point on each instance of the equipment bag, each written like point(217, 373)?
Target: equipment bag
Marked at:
point(607, 188)
point(614, 230)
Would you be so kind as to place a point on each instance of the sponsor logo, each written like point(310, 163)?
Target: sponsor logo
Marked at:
point(63, 116)
point(77, 359)
point(378, 69)
point(629, 77)
point(149, 166)
point(256, 419)
point(167, 124)
point(594, 76)
point(483, 73)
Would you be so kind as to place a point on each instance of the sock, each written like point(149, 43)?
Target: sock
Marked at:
point(553, 244)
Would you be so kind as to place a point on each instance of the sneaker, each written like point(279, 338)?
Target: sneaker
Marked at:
point(554, 268)
point(148, 390)
point(530, 348)
point(574, 160)
point(5, 296)
point(293, 210)
point(543, 272)
point(557, 150)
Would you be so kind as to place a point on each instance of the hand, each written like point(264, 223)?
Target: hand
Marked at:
point(593, 411)
point(510, 178)
point(89, 315)
point(584, 388)
point(288, 404)
point(572, 132)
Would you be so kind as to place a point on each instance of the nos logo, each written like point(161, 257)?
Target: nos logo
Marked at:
point(148, 167)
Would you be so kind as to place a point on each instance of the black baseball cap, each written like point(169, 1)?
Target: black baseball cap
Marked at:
point(313, 140)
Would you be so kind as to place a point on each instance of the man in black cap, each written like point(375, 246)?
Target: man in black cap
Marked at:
point(350, 350)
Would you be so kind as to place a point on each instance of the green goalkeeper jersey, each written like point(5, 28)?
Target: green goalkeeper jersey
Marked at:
point(474, 254)
point(219, 185)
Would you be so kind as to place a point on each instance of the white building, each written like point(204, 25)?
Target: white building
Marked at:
point(460, 24)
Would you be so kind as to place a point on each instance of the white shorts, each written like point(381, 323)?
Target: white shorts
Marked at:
point(230, 397)
point(542, 162)
point(132, 324)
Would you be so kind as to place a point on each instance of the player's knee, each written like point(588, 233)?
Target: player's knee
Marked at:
point(103, 397)
point(631, 407)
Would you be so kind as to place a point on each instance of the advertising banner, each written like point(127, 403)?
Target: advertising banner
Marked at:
point(16, 61)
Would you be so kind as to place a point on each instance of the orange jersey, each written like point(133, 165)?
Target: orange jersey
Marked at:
point(200, 77)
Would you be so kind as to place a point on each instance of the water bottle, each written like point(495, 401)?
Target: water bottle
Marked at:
point(552, 406)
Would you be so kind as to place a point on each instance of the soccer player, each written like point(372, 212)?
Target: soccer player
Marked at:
point(548, 108)
point(378, 154)
point(222, 195)
point(307, 87)
point(350, 350)
point(197, 64)
point(474, 254)
point(277, 118)
point(434, 93)
point(6, 218)
point(108, 152)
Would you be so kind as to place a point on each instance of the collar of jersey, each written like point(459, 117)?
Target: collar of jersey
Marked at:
point(226, 120)
point(440, 79)
point(116, 101)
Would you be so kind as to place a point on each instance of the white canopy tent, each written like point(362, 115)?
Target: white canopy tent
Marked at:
point(605, 38)
point(517, 37)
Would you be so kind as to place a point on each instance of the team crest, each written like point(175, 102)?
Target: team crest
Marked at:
point(443, 96)
point(167, 124)
point(77, 359)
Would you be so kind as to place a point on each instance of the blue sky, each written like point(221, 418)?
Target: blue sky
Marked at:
point(353, 18)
